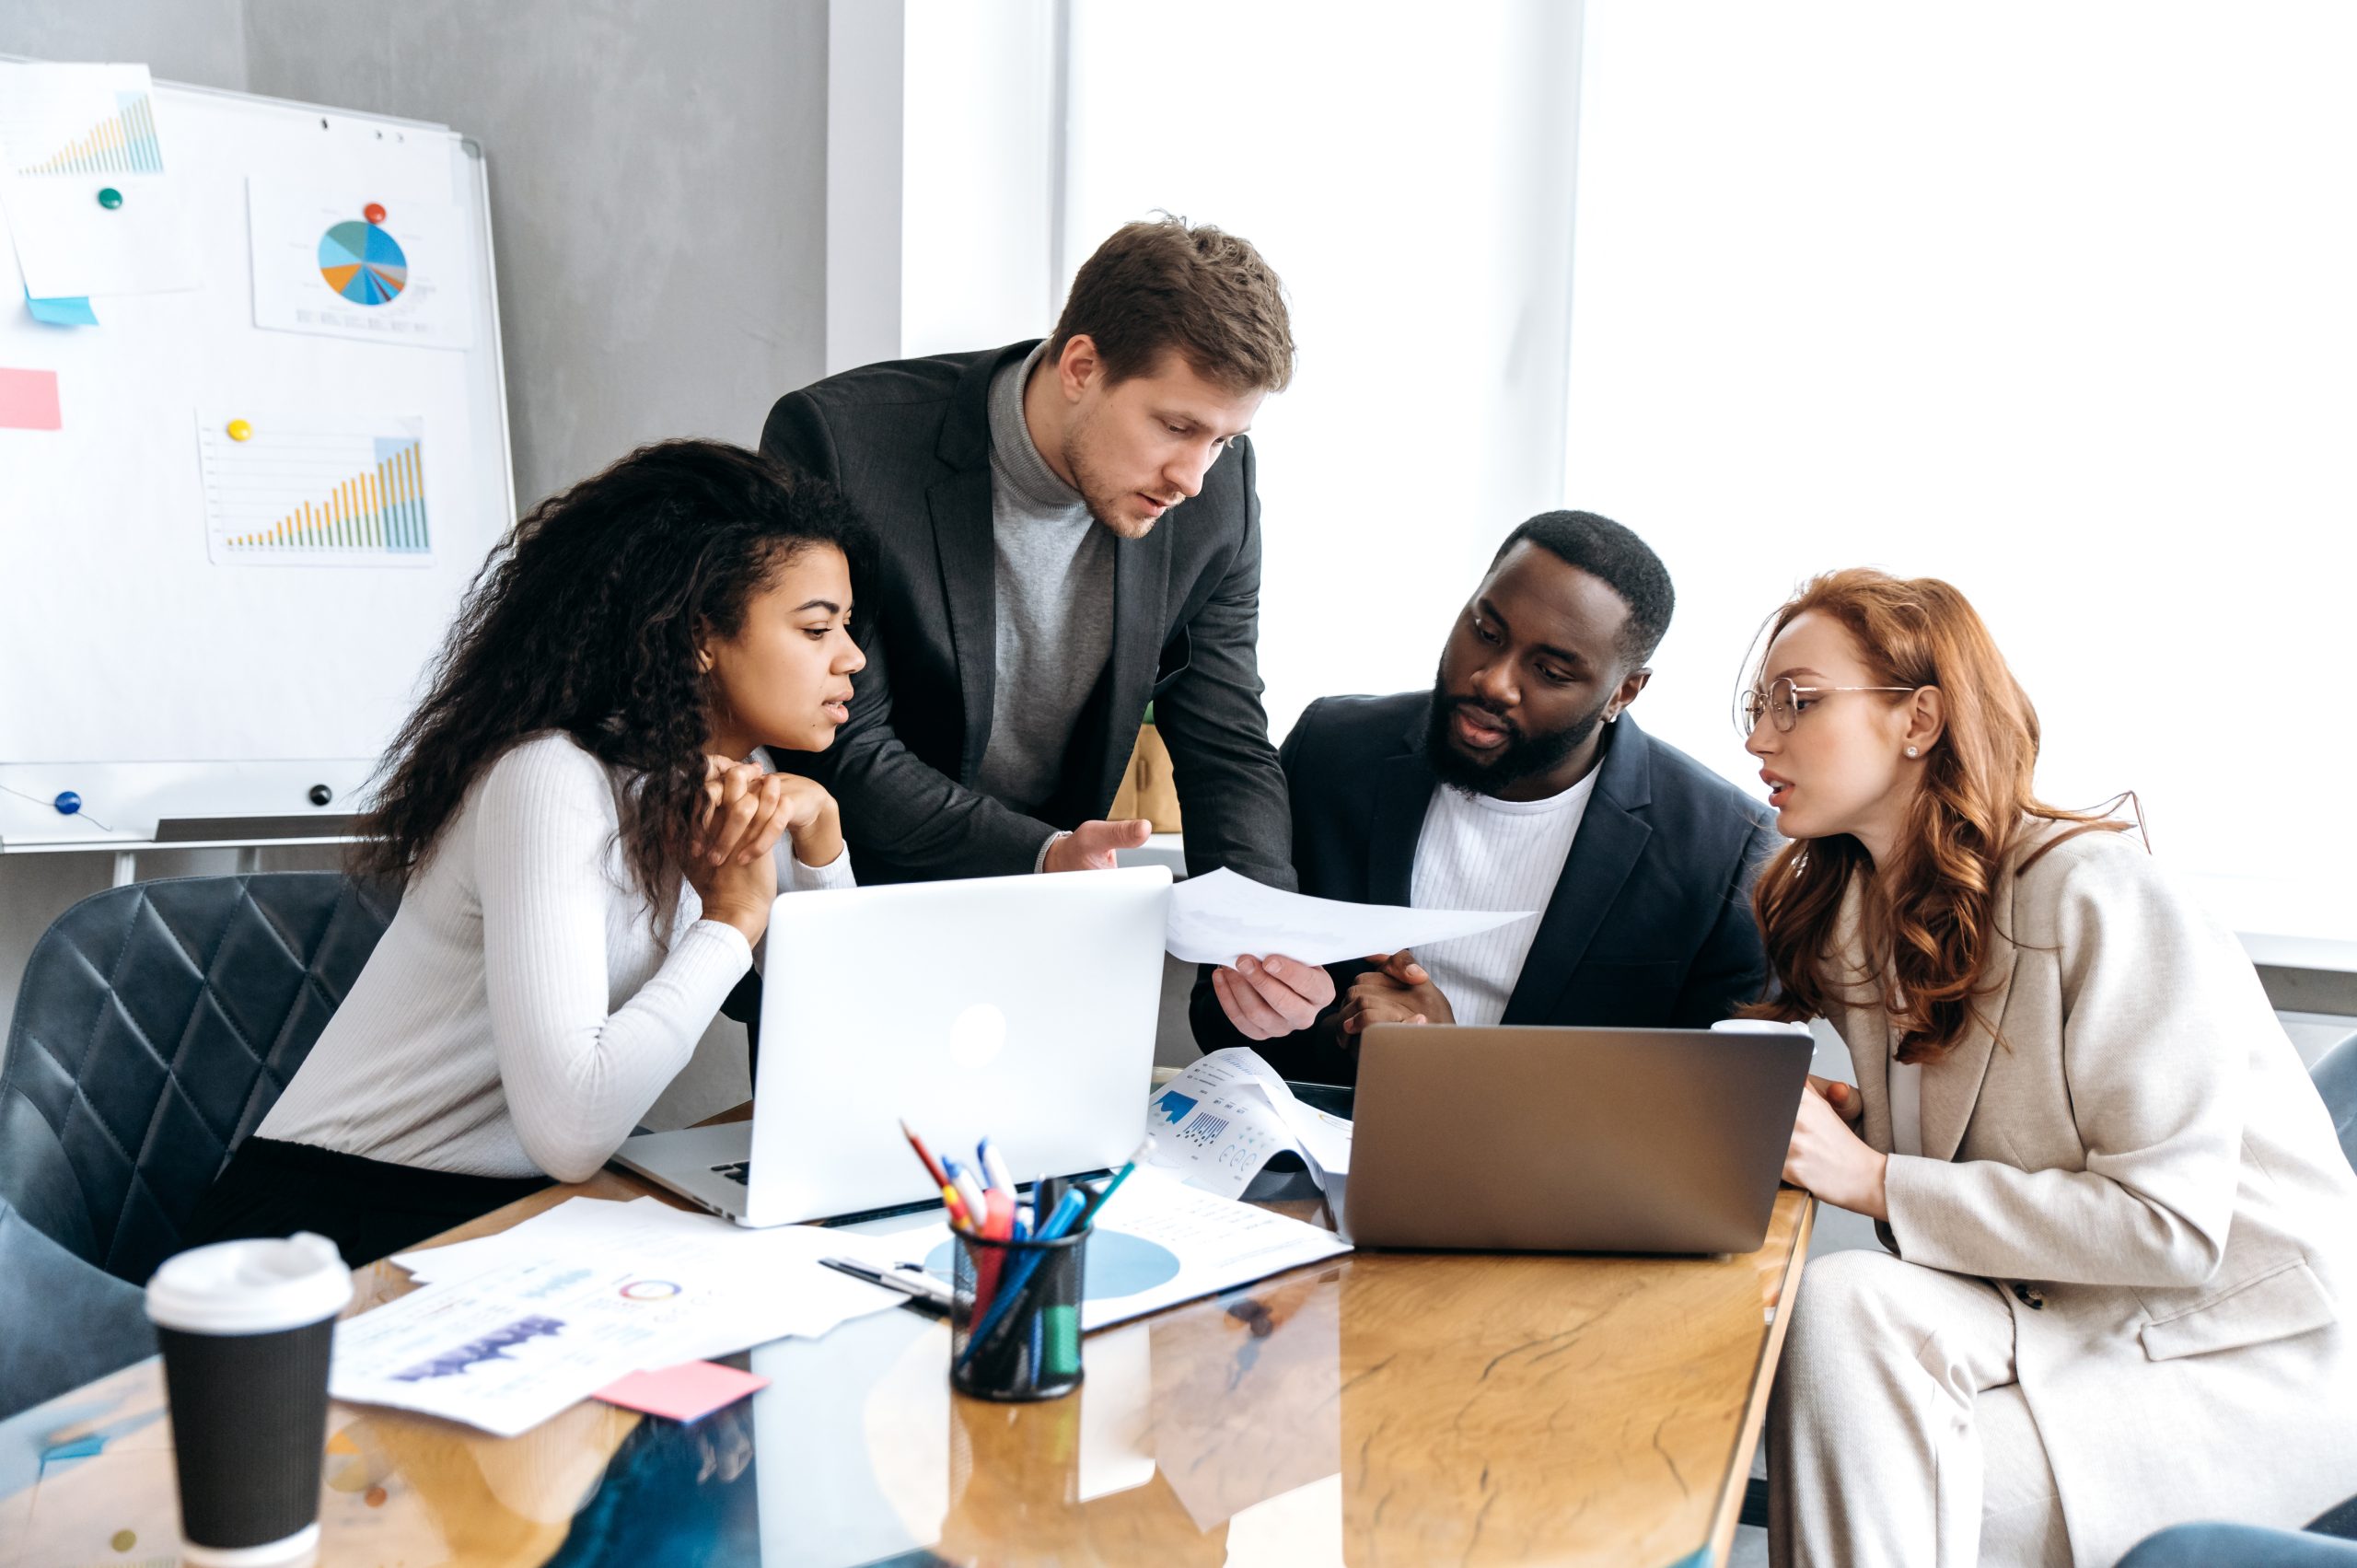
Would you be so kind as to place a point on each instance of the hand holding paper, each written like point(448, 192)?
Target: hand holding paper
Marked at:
point(1222, 917)
point(1271, 995)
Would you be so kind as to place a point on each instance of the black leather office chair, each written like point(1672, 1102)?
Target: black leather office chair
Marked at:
point(2336, 1079)
point(155, 1026)
point(68, 1321)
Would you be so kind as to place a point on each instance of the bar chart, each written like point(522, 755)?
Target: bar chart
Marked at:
point(123, 142)
point(283, 490)
point(62, 121)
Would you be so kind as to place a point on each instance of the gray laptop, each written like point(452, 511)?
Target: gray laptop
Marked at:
point(1023, 1008)
point(1570, 1140)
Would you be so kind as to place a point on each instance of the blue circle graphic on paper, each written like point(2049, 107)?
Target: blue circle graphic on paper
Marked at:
point(1118, 1265)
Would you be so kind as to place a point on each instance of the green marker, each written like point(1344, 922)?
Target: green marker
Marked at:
point(1061, 1356)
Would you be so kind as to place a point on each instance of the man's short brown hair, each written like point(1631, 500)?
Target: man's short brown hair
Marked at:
point(1164, 284)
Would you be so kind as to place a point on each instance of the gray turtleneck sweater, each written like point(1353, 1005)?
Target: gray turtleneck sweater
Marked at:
point(1055, 606)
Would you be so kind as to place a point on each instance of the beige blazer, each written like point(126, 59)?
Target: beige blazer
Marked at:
point(2127, 1145)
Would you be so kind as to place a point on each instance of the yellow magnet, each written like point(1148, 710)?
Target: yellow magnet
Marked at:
point(240, 431)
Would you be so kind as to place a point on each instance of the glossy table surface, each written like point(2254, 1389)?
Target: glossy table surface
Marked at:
point(1382, 1408)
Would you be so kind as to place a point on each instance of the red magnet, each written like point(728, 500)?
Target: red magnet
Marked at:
point(374, 211)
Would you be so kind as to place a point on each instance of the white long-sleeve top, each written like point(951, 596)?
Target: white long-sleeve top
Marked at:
point(520, 1013)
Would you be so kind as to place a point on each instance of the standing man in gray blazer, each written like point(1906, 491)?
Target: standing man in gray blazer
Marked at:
point(1067, 530)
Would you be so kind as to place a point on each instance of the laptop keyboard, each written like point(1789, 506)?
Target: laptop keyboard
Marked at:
point(735, 1173)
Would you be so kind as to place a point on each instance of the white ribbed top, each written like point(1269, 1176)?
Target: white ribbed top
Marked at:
point(1480, 852)
point(519, 1015)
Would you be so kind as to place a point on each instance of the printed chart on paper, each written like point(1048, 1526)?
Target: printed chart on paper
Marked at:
point(307, 491)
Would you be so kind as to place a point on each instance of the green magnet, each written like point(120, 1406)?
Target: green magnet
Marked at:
point(109, 198)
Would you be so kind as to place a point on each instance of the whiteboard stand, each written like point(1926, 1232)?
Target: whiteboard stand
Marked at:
point(190, 697)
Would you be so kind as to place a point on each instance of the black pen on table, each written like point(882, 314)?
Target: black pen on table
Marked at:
point(924, 1292)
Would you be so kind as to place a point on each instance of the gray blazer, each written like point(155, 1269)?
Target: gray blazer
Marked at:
point(909, 442)
point(2127, 1146)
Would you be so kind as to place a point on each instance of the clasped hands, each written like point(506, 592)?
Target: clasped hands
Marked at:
point(733, 867)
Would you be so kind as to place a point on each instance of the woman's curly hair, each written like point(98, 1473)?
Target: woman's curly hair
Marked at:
point(587, 619)
point(1928, 917)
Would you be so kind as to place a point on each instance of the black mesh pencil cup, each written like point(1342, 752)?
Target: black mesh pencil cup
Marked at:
point(1015, 1322)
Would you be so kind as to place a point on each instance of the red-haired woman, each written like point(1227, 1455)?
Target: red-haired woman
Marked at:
point(2124, 1231)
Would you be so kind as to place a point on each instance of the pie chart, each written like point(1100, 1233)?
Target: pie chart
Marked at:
point(363, 263)
point(1117, 1264)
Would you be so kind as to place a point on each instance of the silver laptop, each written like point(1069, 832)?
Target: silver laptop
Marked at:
point(1570, 1140)
point(1023, 1008)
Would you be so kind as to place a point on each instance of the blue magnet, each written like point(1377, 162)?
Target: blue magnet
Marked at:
point(67, 803)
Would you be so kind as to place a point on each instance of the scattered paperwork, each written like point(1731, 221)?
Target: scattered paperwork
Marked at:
point(1216, 1124)
point(507, 1331)
point(1158, 1242)
point(1217, 917)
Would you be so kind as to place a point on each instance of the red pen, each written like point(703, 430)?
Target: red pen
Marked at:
point(950, 1199)
point(932, 1165)
point(997, 1224)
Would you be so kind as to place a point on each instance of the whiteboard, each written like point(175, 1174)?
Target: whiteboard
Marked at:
point(179, 688)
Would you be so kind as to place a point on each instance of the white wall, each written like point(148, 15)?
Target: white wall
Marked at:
point(2053, 301)
point(1408, 171)
point(980, 174)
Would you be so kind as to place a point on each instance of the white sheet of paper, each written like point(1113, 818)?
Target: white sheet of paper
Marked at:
point(415, 286)
point(1172, 1241)
point(1216, 1124)
point(1216, 918)
point(596, 1221)
point(68, 132)
point(509, 1329)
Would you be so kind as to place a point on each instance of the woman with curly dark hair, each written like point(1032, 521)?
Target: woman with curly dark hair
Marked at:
point(587, 857)
point(2123, 1229)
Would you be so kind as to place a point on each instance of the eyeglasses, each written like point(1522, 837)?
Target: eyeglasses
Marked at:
point(1783, 701)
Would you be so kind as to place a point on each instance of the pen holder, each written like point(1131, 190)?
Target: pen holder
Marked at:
point(1015, 1320)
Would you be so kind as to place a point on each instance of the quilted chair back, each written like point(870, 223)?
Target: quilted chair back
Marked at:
point(155, 1026)
point(2336, 1079)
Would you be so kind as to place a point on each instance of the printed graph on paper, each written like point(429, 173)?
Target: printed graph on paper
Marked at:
point(75, 120)
point(1203, 1130)
point(304, 491)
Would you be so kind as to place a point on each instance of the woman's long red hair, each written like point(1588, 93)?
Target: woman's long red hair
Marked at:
point(1927, 916)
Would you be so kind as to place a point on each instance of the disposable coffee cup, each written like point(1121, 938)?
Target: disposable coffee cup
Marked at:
point(246, 1328)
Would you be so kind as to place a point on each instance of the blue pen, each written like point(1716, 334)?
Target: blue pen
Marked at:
point(1068, 1209)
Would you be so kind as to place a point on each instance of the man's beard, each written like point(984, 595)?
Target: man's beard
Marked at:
point(1525, 756)
point(1093, 490)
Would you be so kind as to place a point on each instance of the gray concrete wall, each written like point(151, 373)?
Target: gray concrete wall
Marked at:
point(657, 193)
point(200, 41)
point(658, 199)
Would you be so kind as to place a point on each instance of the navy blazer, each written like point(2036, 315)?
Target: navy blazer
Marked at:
point(1650, 925)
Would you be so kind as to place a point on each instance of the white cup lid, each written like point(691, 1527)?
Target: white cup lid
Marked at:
point(251, 1287)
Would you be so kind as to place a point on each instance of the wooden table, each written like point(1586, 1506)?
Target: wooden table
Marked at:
point(1383, 1408)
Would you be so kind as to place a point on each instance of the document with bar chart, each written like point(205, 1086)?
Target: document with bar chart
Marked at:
point(295, 490)
point(66, 119)
point(378, 266)
point(87, 175)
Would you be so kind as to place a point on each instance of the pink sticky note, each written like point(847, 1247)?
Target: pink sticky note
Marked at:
point(28, 401)
point(689, 1391)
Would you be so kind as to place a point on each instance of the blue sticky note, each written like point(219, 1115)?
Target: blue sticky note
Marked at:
point(64, 311)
